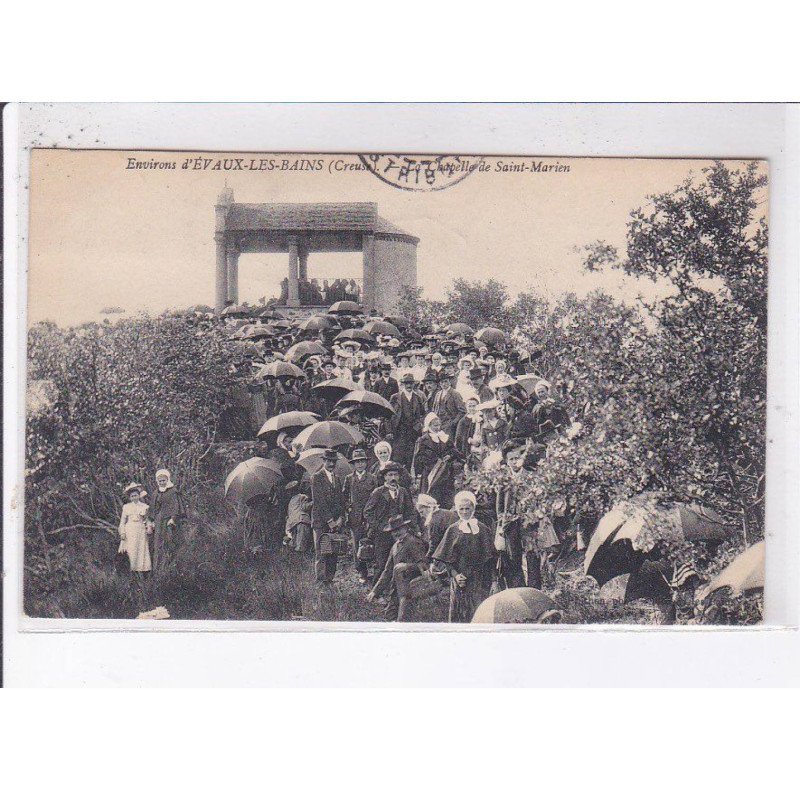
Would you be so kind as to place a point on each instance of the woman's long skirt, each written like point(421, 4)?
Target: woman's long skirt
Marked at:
point(464, 601)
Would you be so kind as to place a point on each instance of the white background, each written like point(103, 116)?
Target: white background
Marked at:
point(178, 655)
point(559, 744)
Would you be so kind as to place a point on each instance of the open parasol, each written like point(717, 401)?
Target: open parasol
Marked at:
point(354, 335)
point(328, 434)
point(303, 349)
point(381, 328)
point(316, 323)
point(251, 478)
point(517, 606)
point(743, 574)
point(270, 313)
point(630, 530)
point(335, 388)
point(528, 381)
point(257, 331)
point(345, 307)
point(493, 337)
point(399, 320)
point(291, 422)
point(235, 311)
point(371, 403)
point(280, 369)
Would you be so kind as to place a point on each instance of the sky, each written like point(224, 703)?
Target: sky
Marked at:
point(102, 235)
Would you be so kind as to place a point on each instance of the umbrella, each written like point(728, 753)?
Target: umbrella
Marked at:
point(744, 573)
point(460, 329)
point(302, 349)
point(399, 320)
point(256, 332)
point(355, 335)
point(202, 309)
point(242, 331)
point(491, 336)
point(280, 369)
point(311, 460)
point(328, 434)
point(699, 523)
point(345, 307)
point(271, 313)
point(502, 382)
point(630, 530)
point(334, 388)
point(282, 323)
point(528, 381)
point(380, 328)
point(252, 478)
point(516, 605)
point(291, 421)
point(235, 311)
point(371, 403)
point(316, 323)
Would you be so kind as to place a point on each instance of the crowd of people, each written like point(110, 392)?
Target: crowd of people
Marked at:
point(312, 293)
point(402, 458)
point(396, 502)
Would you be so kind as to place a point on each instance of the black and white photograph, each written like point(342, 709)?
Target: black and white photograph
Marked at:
point(395, 389)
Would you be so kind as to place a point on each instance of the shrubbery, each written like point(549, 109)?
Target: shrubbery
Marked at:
point(670, 397)
point(111, 404)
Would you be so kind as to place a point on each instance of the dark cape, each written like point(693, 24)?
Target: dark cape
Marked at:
point(471, 555)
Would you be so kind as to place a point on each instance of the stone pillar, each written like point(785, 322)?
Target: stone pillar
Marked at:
point(368, 282)
point(302, 255)
point(294, 268)
point(222, 273)
point(233, 273)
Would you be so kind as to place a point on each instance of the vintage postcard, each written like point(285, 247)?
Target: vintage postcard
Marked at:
point(395, 388)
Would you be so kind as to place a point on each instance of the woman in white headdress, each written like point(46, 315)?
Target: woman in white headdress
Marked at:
point(433, 462)
point(467, 552)
point(167, 513)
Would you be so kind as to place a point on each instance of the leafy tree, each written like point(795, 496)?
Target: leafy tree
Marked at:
point(121, 400)
point(478, 303)
point(704, 244)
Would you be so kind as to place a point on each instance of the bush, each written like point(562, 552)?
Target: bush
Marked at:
point(122, 400)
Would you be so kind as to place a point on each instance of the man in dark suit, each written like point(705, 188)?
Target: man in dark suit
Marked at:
point(358, 488)
point(406, 424)
point(408, 559)
point(387, 501)
point(477, 380)
point(447, 403)
point(327, 516)
point(386, 385)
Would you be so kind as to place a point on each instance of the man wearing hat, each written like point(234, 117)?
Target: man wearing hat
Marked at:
point(328, 368)
point(407, 559)
point(327, 515)
point(429, 385)
point(385, 502)
point(386, 386)
point(476, 379)
point(406, 424)
point(357, 488)
point(447, 403)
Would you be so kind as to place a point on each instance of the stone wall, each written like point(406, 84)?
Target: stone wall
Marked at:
point(394, 263)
